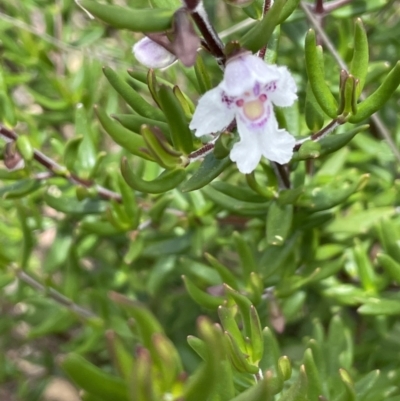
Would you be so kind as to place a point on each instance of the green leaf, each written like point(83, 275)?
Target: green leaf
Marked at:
point(279, 223)
point(313, 378)
point(233, 205)
point(134, 123)
point(20, 189)
point(271, 351)
point(71, 152)
point(259, 35)
point(237, 192)
point(201, 297)
point(313, 113)
point(359, 62)
point(349, 394)
point(391, 267)
point(287, 10)
point(261, 391)
point(87, 154)
point(142, 383)
point(137, 20)
point(203, 77)
point(377, 99)
point(72, 206)
point(146, 323)
point(238, 359)
point(140, 105)
point(185, 102)
point(298, 390)
point(130, 141)
point(180, 133)
point(170, 4)
point(332, 143)
point(380, 306)
point(166, 181)
point(253, 10)
point(358, 7)
point(308, 150)
point(359, 221)
point(159, 147)
point(246, 256)
point(225, 274)
point(122, 358)
point(25, 147)
point(315, 72)
point(93, 380)
point(284, 368)
point(366, 271)
point(210, 169)
point(198, 346)
point(227, 317)
point(321, 198)
point(203, 383)
point(389, 234)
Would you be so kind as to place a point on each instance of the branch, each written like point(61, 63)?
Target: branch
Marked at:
point(60, 170)
point(200, 17)
point(54, 294)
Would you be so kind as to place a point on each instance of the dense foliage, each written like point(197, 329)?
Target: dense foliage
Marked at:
point(140, 264)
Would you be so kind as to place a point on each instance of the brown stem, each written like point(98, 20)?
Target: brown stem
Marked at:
point(320, 134)
point(282, 175)
point(319, 6)
point(60, 170)
point(200, 17)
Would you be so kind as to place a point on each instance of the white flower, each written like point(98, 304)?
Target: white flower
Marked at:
point(248, 91)
point(151, 54)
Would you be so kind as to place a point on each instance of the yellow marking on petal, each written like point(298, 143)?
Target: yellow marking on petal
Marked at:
point(254, 109)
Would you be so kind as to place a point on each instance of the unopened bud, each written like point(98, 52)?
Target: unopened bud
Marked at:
point(151, 54)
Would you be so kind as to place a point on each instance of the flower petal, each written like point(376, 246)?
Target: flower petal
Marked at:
point(243, 72)
point(246, 153)
point(273, 143)
point(285, 92)
point(211, 114)
point(276, 144)
point(151, 54)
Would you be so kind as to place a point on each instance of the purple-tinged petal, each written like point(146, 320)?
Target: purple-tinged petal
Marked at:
point(284, 93)
point(151, 54)
point(273, 143)
point(212, 113)
point(244, 72)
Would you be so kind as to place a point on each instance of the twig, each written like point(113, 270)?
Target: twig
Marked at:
point(54, 294)
point(383, 131)
point(319, 135)
point(60, 170)
point(200, 17)
point(281, 175)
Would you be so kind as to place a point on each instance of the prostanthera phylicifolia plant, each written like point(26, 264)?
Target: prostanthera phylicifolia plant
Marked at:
point(246, 232)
